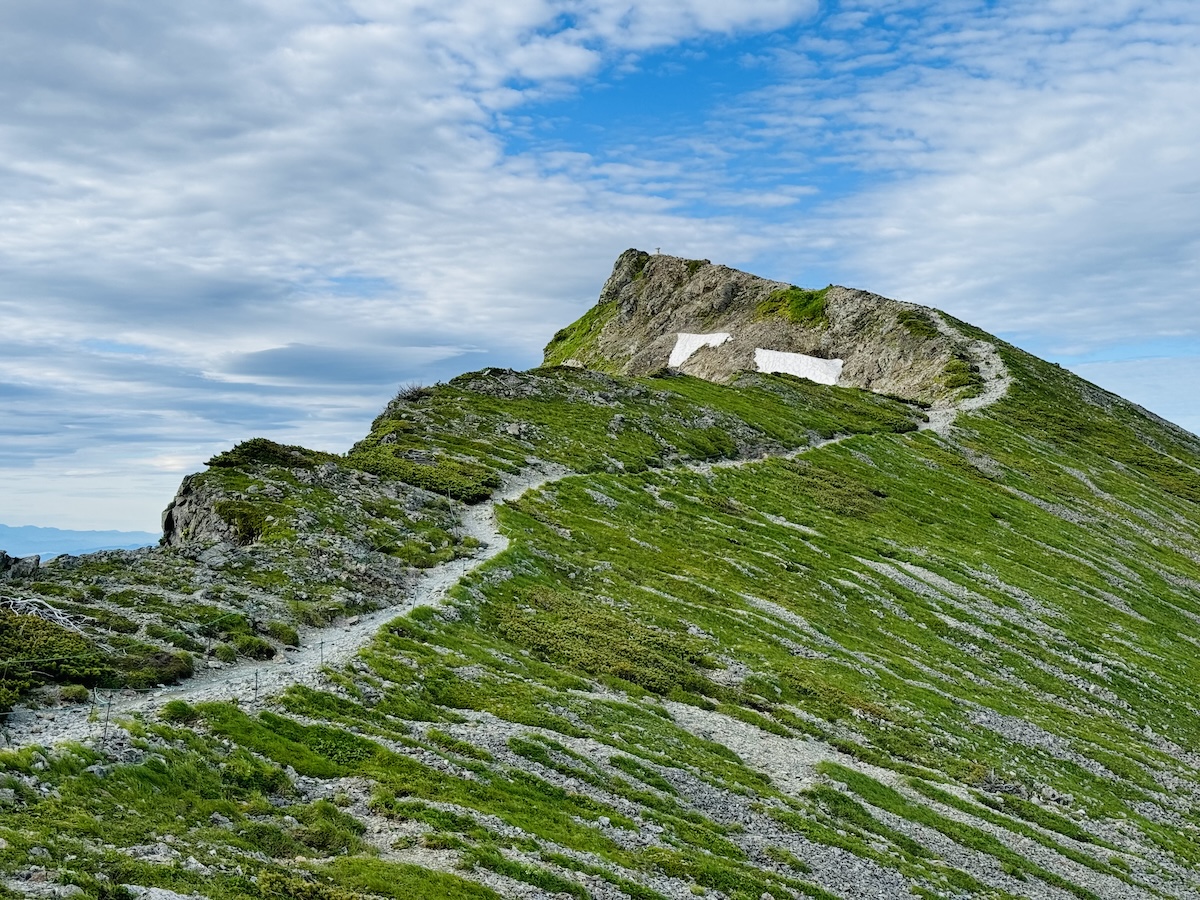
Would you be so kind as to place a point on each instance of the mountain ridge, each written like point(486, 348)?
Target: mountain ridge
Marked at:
point(738, 636)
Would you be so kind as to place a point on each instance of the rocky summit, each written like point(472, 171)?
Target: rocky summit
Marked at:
point(651, 301)
point(751, 591)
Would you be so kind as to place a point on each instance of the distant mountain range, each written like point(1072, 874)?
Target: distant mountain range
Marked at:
point(27, 540)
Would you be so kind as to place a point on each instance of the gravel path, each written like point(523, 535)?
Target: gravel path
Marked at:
point(996, 379)
point(251, 683)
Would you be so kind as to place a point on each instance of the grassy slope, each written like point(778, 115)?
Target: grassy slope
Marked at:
point(148, 616)
point(961, 627)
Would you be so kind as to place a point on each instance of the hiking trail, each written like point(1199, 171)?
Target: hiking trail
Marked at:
point(253, 684)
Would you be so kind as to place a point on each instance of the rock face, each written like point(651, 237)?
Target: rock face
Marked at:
point(887, 346)
point(18, 567)
point(191, 517)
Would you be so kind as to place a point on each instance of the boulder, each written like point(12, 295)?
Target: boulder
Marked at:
point(191, 517)
point(18, 567)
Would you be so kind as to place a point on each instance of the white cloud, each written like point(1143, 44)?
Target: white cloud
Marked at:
point(1029, 167)
point(200, 182)
point(268, 200)
point(646, 25)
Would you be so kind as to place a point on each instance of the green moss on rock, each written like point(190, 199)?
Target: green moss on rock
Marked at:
point(804, 307)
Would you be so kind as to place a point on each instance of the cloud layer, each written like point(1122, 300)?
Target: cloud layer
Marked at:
point(252, 217)
point(1026, 165)
point(257, 218)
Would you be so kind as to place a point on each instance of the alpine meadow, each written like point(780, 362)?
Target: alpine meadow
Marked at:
point(750, 591)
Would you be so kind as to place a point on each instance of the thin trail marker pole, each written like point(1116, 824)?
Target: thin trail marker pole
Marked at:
point(463, 574)
point(107, 713)
point(256, 686)
point(454, 535)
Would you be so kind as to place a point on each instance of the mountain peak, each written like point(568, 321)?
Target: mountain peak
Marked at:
point(711, 321)
point(742, 635)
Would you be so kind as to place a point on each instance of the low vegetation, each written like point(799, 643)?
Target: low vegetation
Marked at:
point(804, 307)
point(918, 324)
point(574, 341)
point(904, 663)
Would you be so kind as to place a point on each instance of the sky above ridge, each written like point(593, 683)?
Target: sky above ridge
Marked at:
point(250, 217)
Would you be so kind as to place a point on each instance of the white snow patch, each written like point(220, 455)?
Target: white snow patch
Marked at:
point(822, 371)
point(687, 344)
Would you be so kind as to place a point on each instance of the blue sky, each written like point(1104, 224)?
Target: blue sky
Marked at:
point(245, 218)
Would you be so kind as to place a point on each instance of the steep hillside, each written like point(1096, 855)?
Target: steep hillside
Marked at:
point(739, 636)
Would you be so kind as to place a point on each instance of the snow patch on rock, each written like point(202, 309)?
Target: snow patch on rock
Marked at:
point(687, 344)
point(814, 368)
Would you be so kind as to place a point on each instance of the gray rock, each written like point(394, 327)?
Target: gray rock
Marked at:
point(657, 297)
point(156, 893)
point(158, 853)
point(12, 567)
point(37, 883)
point(191, 517)
point(192, 864)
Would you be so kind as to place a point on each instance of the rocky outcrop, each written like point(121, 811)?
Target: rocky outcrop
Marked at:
point(12, 567)
point(887, 346)
point(192, 517)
